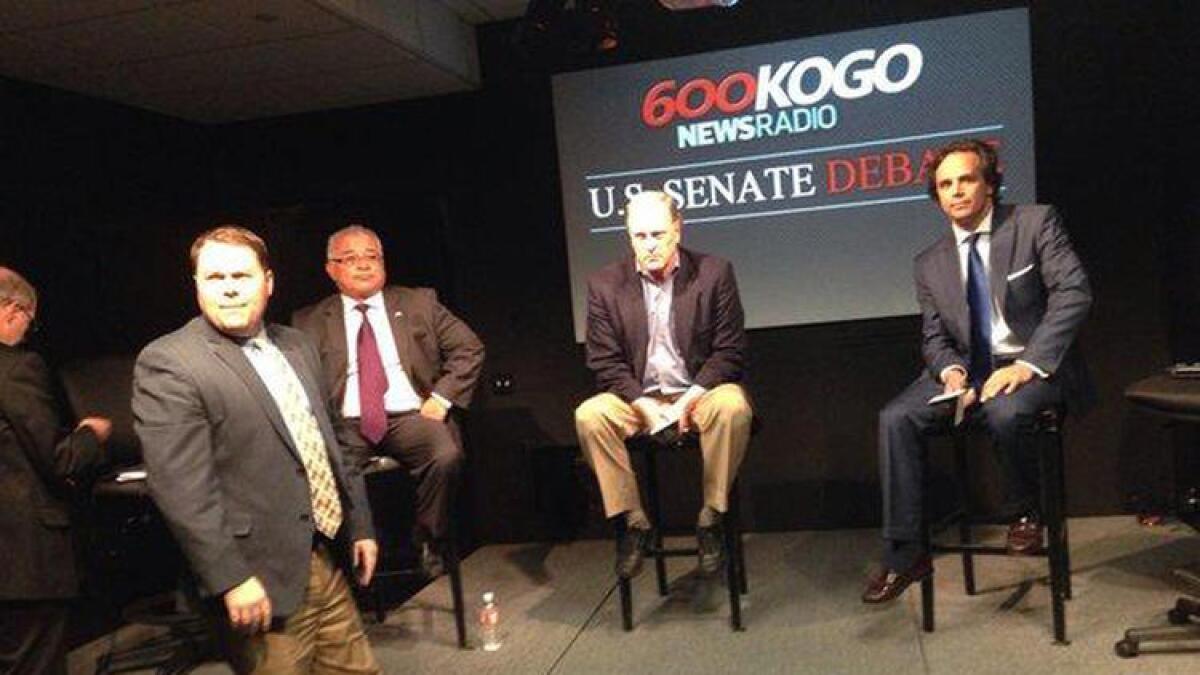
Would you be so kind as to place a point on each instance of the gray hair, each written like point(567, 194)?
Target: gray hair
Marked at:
point(647, 198)
point(15, 289)
point(351, 229)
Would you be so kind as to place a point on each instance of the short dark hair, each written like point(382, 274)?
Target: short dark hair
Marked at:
point(235, 235)
point(988, 164)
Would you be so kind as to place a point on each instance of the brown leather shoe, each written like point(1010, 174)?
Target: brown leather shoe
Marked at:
point(889, 584)
point(1025, 536)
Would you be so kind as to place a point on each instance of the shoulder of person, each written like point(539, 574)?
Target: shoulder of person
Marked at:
point(9, 358)
point(1028, 214)
point(613, 272)
point(706, 262)
point(286, 333)
point(307, 312)
point(945, 240)
point(409, 295)
point(18, 362)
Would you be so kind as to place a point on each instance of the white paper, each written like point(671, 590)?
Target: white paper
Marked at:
point(948, 396)
point(130, 476)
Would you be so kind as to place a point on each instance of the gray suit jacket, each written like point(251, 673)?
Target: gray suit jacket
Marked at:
point(1037, 281)
point(439, 352)
point(707, 323)
point(222, 466)
point(39, 459)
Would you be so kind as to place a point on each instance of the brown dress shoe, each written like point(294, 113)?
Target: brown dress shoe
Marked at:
point(1025, 536)
point(889, 584)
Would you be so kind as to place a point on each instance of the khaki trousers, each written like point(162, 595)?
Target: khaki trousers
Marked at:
point(603, 422)
point(325, 634)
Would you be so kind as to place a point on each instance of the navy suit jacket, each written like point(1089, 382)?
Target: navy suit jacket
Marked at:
point(222, 466)
point(1037, 281)
point(707, 322)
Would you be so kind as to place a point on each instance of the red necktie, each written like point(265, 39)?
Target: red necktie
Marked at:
point(372, 382)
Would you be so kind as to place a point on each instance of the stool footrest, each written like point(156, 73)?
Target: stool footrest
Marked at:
point(983, 549)
point(388, 574)
point(672, 552)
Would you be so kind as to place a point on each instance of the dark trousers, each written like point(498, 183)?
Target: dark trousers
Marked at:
point(431, 453)
point(907, 422)
point(33, 637)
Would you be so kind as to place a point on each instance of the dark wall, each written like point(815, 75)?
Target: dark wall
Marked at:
point(465, 190)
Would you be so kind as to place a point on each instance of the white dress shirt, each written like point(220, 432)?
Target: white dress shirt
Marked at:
point(1005, 343)
point(400, 396)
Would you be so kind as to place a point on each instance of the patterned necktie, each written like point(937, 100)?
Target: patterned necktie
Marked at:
point(979, 301)
point(372, 382)
point(302, 425)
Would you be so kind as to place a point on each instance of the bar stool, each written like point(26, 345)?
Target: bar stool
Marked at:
point(1176, 400)
point(188, 639)
point(381, 464)
point(735, 562)
point(1047, 431)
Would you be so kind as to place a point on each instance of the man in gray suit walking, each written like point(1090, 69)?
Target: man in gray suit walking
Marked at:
point(1002, 298)
point(244, 465)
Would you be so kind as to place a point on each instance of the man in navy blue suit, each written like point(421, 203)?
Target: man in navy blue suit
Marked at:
point(1002, 298)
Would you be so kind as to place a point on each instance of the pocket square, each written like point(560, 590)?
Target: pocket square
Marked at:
point(1021, 272)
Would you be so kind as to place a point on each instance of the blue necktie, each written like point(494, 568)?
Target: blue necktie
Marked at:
point(979, 300)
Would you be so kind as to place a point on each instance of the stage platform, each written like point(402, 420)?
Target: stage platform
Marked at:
point(561, 614)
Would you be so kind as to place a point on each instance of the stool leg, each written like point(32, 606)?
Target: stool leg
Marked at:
point(738, 552)
point(964, 500)
point(377, 601)
point(626, 604)
point(1065, 551)
point(927, 604)
point(927, 582)
point(456, 593)
point(660, 562)
point(1052, 509)
point(732, 574)
point(743, 585)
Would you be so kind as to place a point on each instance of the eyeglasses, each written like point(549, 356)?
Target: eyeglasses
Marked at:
point(355, 258)
point(34, 326)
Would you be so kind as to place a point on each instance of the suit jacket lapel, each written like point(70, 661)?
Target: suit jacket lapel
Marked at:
point(292, 352)
point(333, 346)
point(633, 314)
point(231, 355)
point(950, 286)
point(1000, 254)
point(400, 331)
point(682, 309)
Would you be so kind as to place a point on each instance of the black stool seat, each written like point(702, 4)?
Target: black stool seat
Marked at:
point(735, 562)
point(1177, 400)
point(382, 464)
point(1047, 427)
point(188, 640)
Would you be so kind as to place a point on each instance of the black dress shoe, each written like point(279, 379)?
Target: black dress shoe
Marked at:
point(432, 563)
point(632, 545)
point(710, 545)
point(1025, 536)
point(889, 584)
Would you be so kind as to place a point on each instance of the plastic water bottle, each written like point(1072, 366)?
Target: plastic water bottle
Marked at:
point(489, 623)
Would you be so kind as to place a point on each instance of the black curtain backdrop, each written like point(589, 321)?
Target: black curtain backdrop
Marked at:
point(98, 204)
